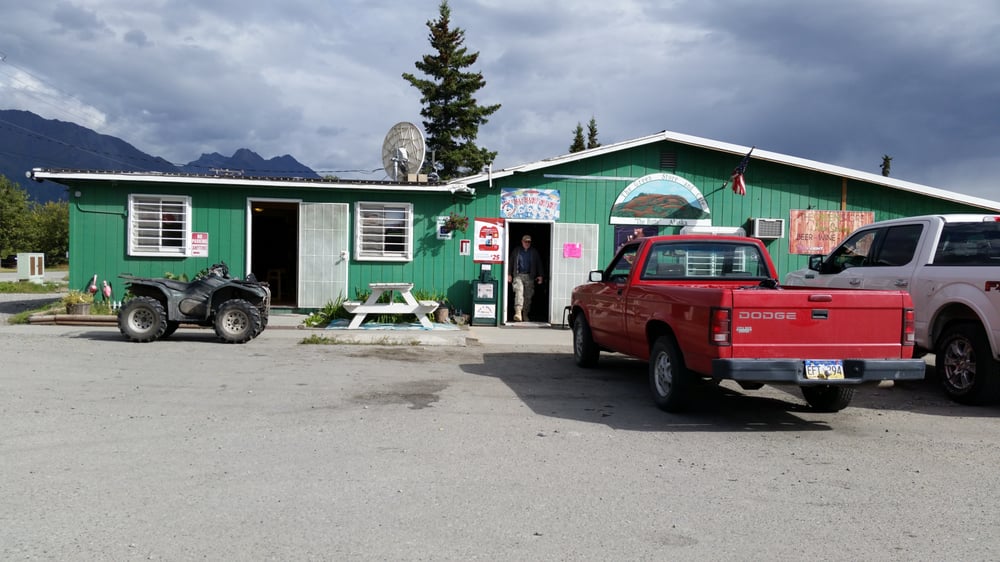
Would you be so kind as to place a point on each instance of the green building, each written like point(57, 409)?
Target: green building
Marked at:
point(316, 241)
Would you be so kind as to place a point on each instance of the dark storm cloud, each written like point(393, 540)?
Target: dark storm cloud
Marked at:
point(841, 82)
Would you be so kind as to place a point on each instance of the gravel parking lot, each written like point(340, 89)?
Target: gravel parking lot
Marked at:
point(190, 448)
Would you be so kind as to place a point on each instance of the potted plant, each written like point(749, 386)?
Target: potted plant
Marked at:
point(78, 302)
point(456, 221)
point(442, 312)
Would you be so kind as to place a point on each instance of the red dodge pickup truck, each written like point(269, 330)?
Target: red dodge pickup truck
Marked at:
point(710, 307)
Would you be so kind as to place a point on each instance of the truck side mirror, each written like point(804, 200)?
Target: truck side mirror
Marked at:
point(596, 276)
point(815, 262)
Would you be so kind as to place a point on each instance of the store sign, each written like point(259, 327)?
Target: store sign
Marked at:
point(661, 199)
point(533, 204)
point(819, 232)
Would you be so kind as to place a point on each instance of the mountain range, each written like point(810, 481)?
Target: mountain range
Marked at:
point(29, 141)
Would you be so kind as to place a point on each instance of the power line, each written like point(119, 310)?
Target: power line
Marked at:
point(31, 90)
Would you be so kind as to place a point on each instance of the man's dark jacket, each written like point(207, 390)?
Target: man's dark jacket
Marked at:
point(534, 259)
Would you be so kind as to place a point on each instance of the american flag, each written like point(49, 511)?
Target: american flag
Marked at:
point(739, 185)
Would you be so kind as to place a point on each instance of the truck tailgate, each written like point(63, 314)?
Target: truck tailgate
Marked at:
point(818, 324)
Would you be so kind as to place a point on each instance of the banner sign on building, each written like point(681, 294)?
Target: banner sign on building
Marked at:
point(819, 232)
point(534, 204)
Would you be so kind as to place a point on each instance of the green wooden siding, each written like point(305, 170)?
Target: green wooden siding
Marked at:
point(773, 191)
point(588, 188)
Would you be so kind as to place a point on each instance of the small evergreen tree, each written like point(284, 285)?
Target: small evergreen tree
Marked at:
point(451, 112)
point(577, 145)
point(592, 134)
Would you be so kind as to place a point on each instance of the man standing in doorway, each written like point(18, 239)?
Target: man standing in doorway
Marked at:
point(525, 270)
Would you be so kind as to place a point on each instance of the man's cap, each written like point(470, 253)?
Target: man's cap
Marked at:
point(526, 238)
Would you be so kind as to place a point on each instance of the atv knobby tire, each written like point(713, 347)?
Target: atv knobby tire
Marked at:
point(142, 319)
point(237, 321)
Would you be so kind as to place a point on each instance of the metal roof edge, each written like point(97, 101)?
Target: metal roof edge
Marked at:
point(158, 177)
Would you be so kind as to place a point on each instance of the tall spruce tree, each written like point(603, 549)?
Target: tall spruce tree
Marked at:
point(577, 145)
point(452, 114)
point(592, 134)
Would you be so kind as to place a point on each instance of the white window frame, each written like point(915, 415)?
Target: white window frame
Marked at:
point(149, 234)
point(370, 230)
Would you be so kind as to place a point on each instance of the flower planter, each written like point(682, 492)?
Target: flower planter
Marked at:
point(81, 308)
point(441, 315)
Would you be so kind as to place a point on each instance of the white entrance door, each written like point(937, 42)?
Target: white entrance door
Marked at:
point(568, 272)
point(324, 231)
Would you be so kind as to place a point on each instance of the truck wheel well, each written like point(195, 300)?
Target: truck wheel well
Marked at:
point(954, 312)
point(655, 330)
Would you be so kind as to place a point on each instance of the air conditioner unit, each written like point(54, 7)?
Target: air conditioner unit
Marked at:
point(767, 228)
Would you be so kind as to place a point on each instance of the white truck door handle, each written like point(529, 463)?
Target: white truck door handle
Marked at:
point(901, 283)
point(855, 282)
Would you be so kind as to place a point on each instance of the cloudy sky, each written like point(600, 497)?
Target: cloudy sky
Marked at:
point(844, 83)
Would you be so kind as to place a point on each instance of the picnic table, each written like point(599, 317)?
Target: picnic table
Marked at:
point(410, 305)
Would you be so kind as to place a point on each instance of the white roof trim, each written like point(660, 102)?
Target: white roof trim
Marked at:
point(155, 177)
point(736, 149)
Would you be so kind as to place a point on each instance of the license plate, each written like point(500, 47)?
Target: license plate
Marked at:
point(830, 369)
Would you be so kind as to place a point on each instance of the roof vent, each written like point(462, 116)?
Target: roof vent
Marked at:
point(668, 160)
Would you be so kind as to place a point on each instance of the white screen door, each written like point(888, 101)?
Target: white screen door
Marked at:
point(568, 272)
point(324, 231)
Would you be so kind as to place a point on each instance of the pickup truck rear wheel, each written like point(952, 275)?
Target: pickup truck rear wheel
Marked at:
point(668, 377)
point(826, 398)
point(965, 366)
point(585, 351)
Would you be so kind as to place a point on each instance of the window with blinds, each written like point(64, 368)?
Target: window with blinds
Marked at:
point(384, 231)
point(158, 225)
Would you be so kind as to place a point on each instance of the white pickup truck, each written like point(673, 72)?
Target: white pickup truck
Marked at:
point(950, 264)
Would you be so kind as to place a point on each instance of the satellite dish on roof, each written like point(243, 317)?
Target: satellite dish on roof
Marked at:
point(403, 151)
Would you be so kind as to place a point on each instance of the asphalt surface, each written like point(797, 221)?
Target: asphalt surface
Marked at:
point(497, 448)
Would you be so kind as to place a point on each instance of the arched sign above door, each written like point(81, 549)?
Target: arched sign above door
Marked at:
point(661, 199)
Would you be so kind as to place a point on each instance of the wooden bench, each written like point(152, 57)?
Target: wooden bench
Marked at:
point(410, 305)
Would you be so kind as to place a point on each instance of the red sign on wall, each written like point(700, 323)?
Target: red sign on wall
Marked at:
point(199, 244)
point(819, 232)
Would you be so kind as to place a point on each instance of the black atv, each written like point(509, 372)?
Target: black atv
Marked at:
point(237, 309)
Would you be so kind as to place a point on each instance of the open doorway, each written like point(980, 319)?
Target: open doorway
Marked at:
point(274, 227)
point(541, 240)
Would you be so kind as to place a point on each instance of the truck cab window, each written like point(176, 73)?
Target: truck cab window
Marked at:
point(852, 253)
point(622, 266)
point(899, 245)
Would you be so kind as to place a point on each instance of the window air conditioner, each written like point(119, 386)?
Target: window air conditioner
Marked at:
point(767, 228)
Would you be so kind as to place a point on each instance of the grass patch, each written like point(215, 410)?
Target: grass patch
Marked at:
point(327, 340)
point(57, 307)
point(30, 287)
